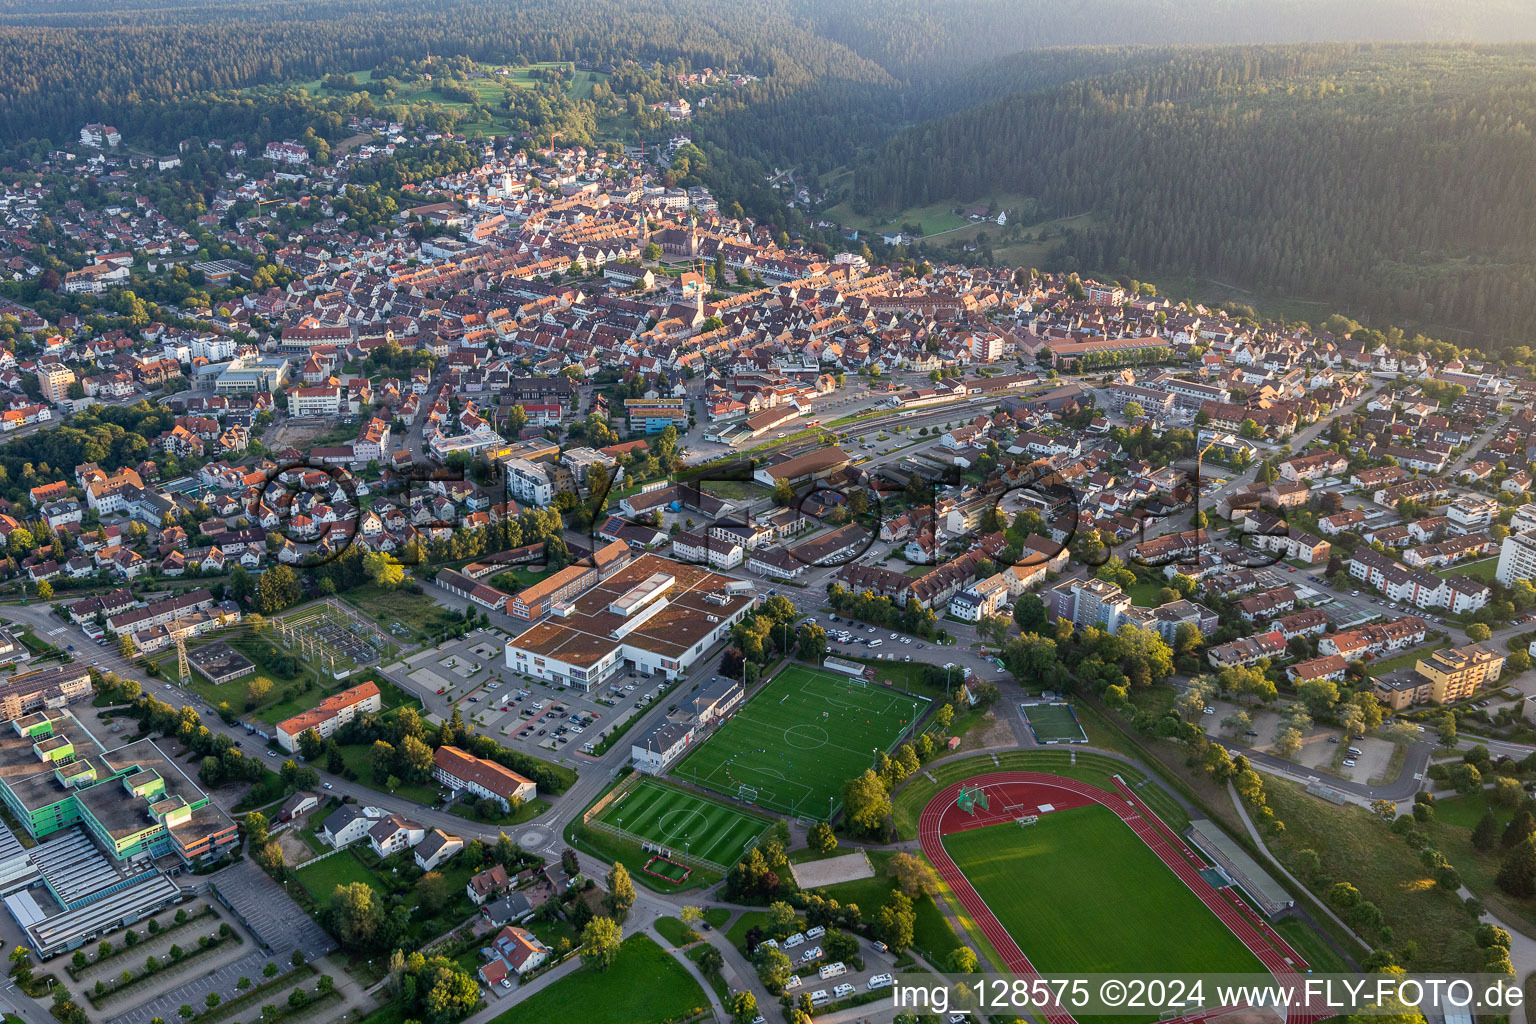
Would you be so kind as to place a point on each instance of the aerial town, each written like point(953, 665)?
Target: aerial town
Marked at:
point(562, 585)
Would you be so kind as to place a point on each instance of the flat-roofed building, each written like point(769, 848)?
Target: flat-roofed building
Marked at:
point(132, 800)
point(29, 692)
point(1457, 672)
point(654, 615)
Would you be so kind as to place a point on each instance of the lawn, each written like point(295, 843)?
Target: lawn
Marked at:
point(1357, 847)
point(791, 748)
point(322, 877)
point(1146, 595)
point(1112, 911)
point(1466, 811)
point(530, 810)
point(514, 580)
point(359, 759)
point(654, 987)
point(418, 614)
point(664, 814)
point(1482, 571)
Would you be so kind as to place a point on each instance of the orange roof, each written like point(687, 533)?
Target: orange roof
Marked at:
point(499, 780)
point(329, 708)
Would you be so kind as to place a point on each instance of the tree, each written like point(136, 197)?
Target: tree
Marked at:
point(711, 961)
point(1134, 411)
point(621, 892)
point(782, 916)
point(356, 915)
point(1029, 613)
point(1320, 695)
point(384, 569)
point(433, 892)
point(1306, 863)
point(812, 642)
point(1507, 792)
point(1478, 632)
point(896, 921)
point(783, 494)
point(821, 838)
point(1520, 828)
point(1517, 874)
point(256, 691)
point(600, 942)
point(773, 969)
point(1485, 836)
point(866, 804)
point(962, 960)
point(44, 590)
point(1465, 779)
point(742, 1007)
point(256, 827)
point(913, 875)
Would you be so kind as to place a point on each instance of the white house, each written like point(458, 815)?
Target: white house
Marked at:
point(436, 848)
point(393, 834)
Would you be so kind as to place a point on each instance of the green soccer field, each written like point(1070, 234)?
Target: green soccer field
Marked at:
point(796, 742)
point(1054, 722)
point(680, 820)
point(1114, 911)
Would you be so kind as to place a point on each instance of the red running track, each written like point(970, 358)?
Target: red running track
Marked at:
point(1015, 794)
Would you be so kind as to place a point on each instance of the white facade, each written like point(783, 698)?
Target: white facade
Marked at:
point(1517, 559)
point(528, 483)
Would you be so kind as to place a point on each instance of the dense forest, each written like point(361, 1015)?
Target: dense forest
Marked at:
point(1390, 180)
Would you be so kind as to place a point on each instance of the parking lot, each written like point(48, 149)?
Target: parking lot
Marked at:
point(828, 982)
point(857, 640)
point(471, 675)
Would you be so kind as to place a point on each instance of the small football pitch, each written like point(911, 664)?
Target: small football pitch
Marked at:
point(658, 813)
point(1117, 910)
point(1054, 723)
point(794, 744)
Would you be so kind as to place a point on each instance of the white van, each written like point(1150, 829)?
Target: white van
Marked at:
point(836, 970)
point(820, 997)
point(876, 643)
point(843, 991)
point(794, 940)
point(814, 953)
point(881, 981)
point(793, 982)
point(815, 933)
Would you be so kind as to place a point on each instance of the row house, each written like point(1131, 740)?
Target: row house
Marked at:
point(1376, 639)
point(1249, 650)
point(1448, 551)
point(1267, 603)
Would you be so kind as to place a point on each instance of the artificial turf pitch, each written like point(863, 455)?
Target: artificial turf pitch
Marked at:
point(1079, 891)
point(1054, 722)
point(799, 739)
point(681, 821)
